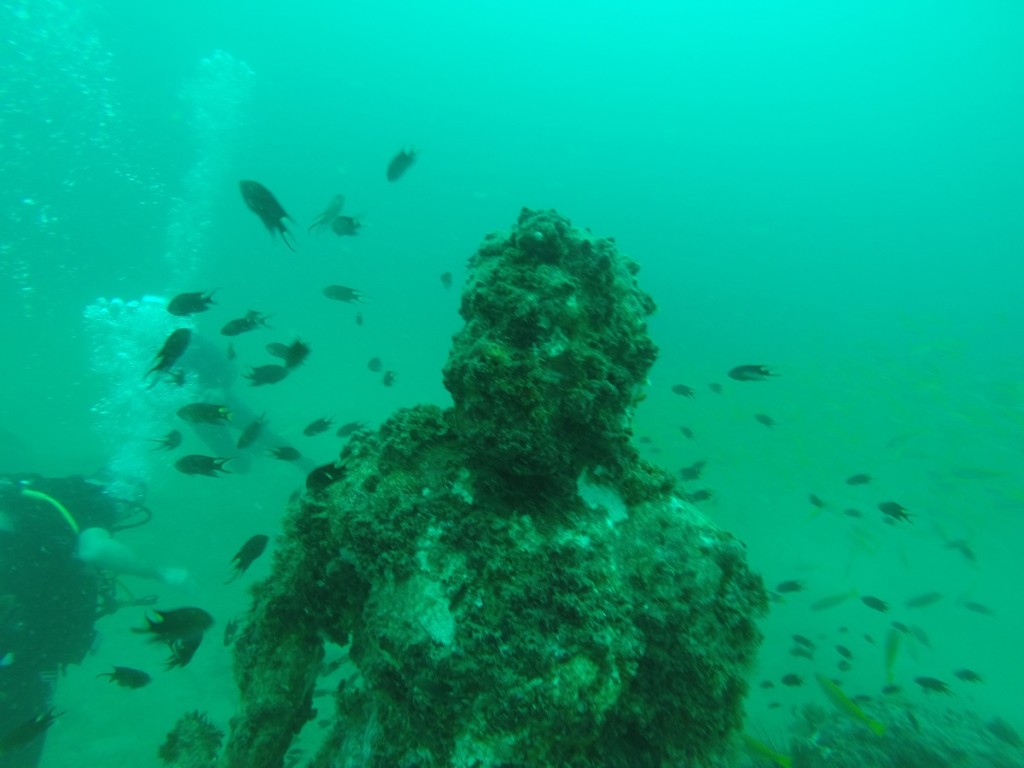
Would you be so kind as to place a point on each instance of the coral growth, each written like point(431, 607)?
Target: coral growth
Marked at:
point(193, 743)
point(512, 584)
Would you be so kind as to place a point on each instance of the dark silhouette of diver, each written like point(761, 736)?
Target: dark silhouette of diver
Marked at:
point(49, 596)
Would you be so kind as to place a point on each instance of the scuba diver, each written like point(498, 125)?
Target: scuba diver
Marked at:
point(215, 377)
point(58, 566)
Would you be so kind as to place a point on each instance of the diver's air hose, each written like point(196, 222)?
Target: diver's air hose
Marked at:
point(55, 504)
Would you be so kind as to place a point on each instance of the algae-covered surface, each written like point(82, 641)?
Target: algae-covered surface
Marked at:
point(511, 583)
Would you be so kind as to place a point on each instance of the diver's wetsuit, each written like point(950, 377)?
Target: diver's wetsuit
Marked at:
point(48, 599)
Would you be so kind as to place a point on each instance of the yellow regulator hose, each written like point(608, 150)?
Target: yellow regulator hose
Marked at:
point(55, 504)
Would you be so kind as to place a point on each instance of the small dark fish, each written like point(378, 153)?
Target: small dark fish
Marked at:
point(286, 453)
point(686, 432)
point(984, 610)
point(858, 479)
point(803, 653)
point(252, 549)
point(185, 304)
point(815, 501)
point(197, 464)
point(388, 379)
point(715, 387)
point(182, 650)
point(346, 226)
point(968, 676)
point(250, 322)
point(277, 349)
point(168, 442)
point(230, 631)
point(845, 652)
point(767, 684)
point(317, 426)
point(231, 354)
point(204, 413)
point(265, 205)
point(685, 391)
point(933, 685)
point(891, 689)
point(24, 734)
point(345, 294)
point(375, 365)
point(831, 601)
point(350, 428)
point(127, 677)
point(899, 626)
point(359, 318)
point(252, 432)
point(893, 510)
point(851, 512)
point(1005, 732)
point(694, 471)
point(295, 354)
point(765, 419)
point(333, 209)
point(400, 163)
point(446, 279)
point(790, 586)
point(792, 680)
point(321, 478)
point(875, 604)
point(701, 494)
point(928, 598)
point(806, 642)
point(751, 373)
point(174, 347)
point(844, 665)
point(963, 548)
point(176, 624)
point(920, 635)
point(266, 374)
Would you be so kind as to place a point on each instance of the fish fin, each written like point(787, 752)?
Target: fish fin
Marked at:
point(284, 236)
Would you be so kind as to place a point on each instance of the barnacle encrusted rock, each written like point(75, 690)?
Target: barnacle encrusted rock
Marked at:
point(193, 743)
point(512, 585)
point(553, 355)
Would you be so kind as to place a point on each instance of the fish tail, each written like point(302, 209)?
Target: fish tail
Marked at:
point(284, 236)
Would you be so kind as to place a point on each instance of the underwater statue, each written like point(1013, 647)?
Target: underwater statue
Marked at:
point(510, 583)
